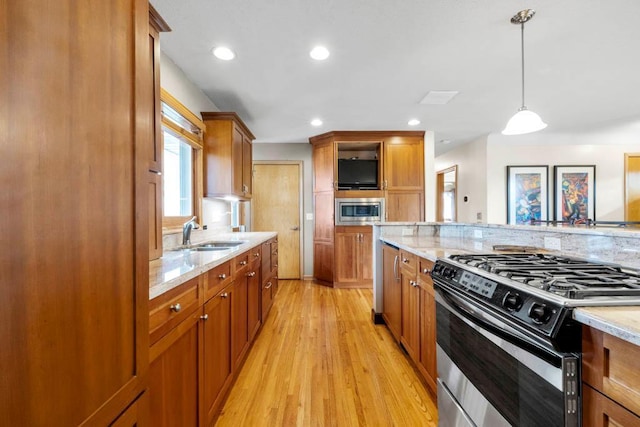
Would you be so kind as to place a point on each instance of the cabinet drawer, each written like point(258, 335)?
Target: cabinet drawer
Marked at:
point(241, 261)
point(600, 411)
point(424, 270)
point(169, 309)
point(217, 278)
point(255, 254)
point(408, 263)
point(612, 366)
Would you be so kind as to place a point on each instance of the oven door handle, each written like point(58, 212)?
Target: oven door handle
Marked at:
point(478, 319)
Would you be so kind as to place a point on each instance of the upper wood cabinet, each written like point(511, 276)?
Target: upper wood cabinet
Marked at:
point(403, 163)
point(228, 156)
point(323, 166)
point(75, 279)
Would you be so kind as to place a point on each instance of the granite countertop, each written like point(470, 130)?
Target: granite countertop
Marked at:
point(620, 321)
point(177, 266)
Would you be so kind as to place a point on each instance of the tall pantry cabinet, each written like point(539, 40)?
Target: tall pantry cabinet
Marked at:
point(343, 254)
point(74, 135)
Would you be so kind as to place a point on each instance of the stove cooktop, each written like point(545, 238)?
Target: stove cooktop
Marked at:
point(564, 277)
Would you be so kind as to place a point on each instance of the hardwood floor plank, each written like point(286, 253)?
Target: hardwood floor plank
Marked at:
point(320, 361)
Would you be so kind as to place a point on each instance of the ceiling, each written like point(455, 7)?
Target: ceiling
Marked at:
point(582, 63)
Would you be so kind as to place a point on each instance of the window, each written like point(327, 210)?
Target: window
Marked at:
point(181, 163)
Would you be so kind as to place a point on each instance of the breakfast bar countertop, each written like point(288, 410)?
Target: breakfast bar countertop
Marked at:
point(177, 266)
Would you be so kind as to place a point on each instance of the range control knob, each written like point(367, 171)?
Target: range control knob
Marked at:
point(540, 313)
point(512, 301)
point(437, 268)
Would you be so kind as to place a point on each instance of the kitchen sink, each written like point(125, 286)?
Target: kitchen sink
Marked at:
point(221, 244)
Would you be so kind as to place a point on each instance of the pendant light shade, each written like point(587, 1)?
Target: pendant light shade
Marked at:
point(524, 121)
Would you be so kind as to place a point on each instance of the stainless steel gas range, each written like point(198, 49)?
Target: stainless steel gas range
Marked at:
point(508, 347)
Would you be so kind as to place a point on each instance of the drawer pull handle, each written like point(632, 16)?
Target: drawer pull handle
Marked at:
point(413, 283)
point(204, 317)
point(176, 308)
point(222, 276)
point(268, 285)
point(251, 274)
point(257, 255)
point(224, 295)
point(243, 263)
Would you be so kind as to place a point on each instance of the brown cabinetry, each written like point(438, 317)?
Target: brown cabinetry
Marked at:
point(410, 335)
point(400, 157)
point(391, 290)
point(611, 380)
point(269, 275)
point(154, 149)
point(404, 178)
point(74, 288)
point(354, 256)
point(427, 362)
point(228, 155)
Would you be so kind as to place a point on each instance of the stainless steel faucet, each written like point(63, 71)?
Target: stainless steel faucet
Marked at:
point(186, 231)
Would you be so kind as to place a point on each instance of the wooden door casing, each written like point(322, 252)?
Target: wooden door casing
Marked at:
point(75, 209)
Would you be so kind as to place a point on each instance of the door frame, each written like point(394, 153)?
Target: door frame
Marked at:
point(440, 190)
point(300, 164)
point(626, 183)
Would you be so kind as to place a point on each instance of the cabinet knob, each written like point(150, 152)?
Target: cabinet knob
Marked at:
point(251, 274)
point(413, 283)
point(243, 263)
point(257, 255)
point(222, 276)
point(204, 317)
point(405, 260)
point(176, 308)
point(426, 271)
point(224, 295)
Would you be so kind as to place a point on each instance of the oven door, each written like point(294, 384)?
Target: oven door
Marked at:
point(490, 374)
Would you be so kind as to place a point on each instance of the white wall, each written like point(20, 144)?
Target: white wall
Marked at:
point(429, 176)
point(174, 81)
point(482, 167)
point(471, 160)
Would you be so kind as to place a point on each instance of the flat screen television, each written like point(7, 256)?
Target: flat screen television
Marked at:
point(357, 174)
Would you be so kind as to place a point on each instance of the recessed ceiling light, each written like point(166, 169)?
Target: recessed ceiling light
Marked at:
point(316, 122)
point(413, 122)
point(319, 53)
point(224, 53)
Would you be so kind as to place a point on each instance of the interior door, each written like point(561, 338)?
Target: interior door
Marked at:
point(632, 187)
point(275, 206)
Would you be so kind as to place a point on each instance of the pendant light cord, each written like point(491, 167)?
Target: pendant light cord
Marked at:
point(522, 50)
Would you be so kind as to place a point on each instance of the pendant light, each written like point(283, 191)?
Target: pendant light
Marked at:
point(524, 121)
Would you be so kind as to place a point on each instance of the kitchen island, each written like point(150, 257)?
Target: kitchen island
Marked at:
point(602, 355)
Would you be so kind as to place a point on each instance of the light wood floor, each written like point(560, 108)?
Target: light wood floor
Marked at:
point(320, 361)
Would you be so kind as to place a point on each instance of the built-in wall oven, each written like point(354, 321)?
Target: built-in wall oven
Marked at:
point(356, 211)
point(508, 349)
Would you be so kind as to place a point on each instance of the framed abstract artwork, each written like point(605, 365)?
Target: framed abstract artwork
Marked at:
point(527, 194)
point(575, 193)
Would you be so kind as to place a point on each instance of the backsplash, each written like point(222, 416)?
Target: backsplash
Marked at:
point(603, 244)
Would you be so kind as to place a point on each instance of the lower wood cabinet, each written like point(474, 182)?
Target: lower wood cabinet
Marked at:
point(217, 360)
point(201, 333)
point(353, 256)
point(416, 309)
point(391, 290)
point(137, 414)
point(174, 374)
point(611, 380)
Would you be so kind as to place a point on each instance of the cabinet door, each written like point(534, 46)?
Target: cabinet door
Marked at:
point(247, 166)
point(428, 332)
point(323, 261)
point(347, 259)
point(155, 214)
point(217, 366)
point(135, 415)
point(254, 290)
point(237, 147)
point(600, 411)
point(403, 163)
point(323, 167)
point(173, 375)
point(75, 282)
point(239, 326)
point(404, 206)
point(391, 290)
point(366, 255)
point(410, 336)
